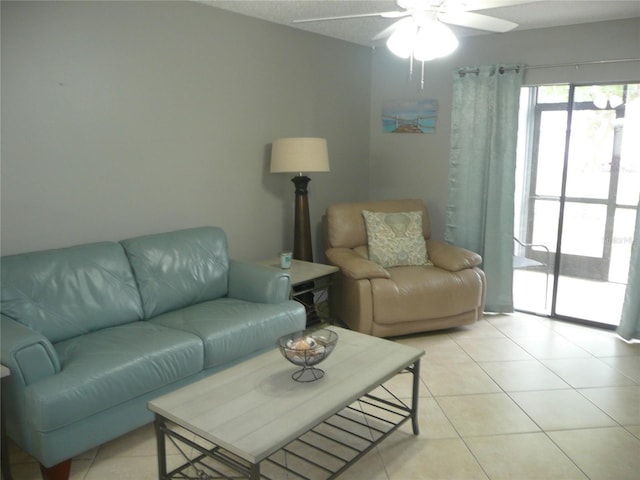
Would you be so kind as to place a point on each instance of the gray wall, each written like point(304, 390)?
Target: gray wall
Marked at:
point(410, 165)
point(128, 118)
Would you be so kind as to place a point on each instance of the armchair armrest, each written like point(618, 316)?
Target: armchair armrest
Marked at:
point(28, 354)
point(354, 266)
point(259, 284)
point(450, 257)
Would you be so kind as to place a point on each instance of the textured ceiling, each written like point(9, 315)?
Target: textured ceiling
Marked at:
point(529, 15)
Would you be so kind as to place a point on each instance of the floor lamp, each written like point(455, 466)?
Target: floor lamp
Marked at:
point(300, 155)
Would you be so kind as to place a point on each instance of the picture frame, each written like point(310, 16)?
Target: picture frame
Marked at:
point(409, 116)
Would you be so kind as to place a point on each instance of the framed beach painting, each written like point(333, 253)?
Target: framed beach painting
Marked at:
point(409, 116)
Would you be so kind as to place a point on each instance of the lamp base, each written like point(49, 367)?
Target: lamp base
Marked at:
point(302, 242)
point(302, 225)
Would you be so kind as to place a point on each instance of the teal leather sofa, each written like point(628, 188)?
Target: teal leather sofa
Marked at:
point(92, 332)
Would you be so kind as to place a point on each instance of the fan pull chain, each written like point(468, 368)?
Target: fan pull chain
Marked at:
point(411, 60)
point(411, 67)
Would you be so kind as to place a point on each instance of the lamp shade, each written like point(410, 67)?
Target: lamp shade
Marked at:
point(304, 154)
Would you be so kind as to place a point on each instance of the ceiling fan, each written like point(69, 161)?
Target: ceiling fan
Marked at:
point(421, 33)
point(453, 12)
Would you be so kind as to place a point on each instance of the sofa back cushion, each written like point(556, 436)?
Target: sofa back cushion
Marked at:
point(345, 226)
point(181, 268)
point(71, 291)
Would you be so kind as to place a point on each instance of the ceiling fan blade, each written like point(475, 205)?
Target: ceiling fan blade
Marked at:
point(391, 28)
point(472, 5)
point(477, 21)
point(394, 14)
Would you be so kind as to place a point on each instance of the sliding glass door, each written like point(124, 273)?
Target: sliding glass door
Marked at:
point(578, 185)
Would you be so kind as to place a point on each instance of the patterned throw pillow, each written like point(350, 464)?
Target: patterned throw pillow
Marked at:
point(396, 238)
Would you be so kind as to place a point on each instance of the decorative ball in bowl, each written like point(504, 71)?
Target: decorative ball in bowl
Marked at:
point(306, 349)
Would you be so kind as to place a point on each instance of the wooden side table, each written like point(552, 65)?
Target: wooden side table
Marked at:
point(313, 277)
point(4, 446)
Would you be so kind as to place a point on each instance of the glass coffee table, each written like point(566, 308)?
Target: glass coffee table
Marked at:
point(254, 421)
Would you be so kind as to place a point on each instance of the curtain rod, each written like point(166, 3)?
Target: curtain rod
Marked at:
point(462, 72)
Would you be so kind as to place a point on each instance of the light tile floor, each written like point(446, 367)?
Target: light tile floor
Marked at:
point(510, 397)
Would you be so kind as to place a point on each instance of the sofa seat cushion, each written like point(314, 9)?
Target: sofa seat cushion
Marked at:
point(231, 328)
point(413, 291)
point(108, 367)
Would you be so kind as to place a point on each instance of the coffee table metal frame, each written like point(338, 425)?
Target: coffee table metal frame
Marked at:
point(323, 452)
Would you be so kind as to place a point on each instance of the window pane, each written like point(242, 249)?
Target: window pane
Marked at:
point(599, 95)
point(583, 229)
point(553, 94)
point(545, 223)
point(590, 154)
point(553, 125)
point(629, 180)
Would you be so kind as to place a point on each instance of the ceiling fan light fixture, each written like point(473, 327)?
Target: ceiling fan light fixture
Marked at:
point(434, 40)
point(401, 42)
point(425, 40)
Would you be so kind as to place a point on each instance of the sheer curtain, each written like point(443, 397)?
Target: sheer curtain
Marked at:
point(484, 128)
point(630, 322)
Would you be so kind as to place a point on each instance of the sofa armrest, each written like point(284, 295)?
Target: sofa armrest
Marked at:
point(450, 257)
point(257, 283)
point(354, 266)
point(28, 354)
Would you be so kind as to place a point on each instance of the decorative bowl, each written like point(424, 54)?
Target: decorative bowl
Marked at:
point(306, 349)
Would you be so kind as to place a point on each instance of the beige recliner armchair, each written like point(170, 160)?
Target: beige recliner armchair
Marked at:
point(399, 300)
